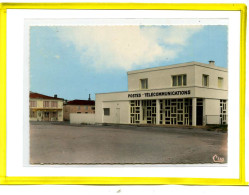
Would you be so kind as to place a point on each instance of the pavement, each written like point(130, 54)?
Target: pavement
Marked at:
point(62, 143)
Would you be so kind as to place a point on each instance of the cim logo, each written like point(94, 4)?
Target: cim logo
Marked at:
point(216, 158)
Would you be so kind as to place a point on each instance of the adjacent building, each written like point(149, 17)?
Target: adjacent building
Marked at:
point(45, 108)
point(190, 93)
point(78, 106)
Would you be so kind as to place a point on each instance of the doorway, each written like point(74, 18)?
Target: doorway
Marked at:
point(199, 112)
point(117, 115)
point(46, 116)
point(148, 112)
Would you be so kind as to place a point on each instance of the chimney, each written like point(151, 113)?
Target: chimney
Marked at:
point(89, 97)
point(55, 95)
point(211, 62)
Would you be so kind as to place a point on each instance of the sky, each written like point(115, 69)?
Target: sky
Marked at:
point(75, 61)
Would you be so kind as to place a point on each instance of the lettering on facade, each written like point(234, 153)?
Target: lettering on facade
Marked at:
point(134, 95)
point(154, 94)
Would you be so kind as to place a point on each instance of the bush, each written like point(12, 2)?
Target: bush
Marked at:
point(221, 128)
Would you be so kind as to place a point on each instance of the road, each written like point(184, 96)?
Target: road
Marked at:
point(61, 143)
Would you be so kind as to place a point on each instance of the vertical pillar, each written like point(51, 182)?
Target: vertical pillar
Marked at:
point(204, 112)
point(183, 108)
point(140, 111)
point(193, 111)
point(157, 112)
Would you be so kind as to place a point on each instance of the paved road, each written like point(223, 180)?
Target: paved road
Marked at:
point(61, 143)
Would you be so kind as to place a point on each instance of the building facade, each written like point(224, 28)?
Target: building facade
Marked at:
point(45, 108)
point(78, 106)
point(191, 93)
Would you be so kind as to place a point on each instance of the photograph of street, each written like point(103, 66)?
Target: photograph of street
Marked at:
point(128, 94)
point(60, 143)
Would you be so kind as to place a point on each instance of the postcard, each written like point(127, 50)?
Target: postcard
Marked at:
point(124, 96)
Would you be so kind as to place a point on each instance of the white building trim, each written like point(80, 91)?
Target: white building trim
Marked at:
point(193, 104)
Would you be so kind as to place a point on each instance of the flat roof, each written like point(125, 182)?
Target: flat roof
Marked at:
point(211, 66)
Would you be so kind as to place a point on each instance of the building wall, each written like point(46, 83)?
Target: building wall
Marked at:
point(203, 92)
point(121, 100)
point(119, 109)
point(159, 79)
point(82, 118)
point(213, 76)
point(119, 112)
point(40, 102)
point(212, 111)
point(199, 92)
point(67, 109)
point(40, 109)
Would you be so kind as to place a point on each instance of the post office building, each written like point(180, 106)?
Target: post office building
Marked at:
point(190, 93)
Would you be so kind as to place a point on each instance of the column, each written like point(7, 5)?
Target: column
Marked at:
point(157, 112)
point(193, 111)
point(140, 111)
point(204, 112)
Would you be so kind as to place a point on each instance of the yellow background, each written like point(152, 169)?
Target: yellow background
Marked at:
point(119, 180)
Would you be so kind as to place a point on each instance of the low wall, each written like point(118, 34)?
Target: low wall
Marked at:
point(212, 119)
point(82, 118)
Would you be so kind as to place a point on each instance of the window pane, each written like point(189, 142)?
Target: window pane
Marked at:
point(106, 111)
point(174, 81)
point(54, 104)
point(205, 80)
point(180, 80)
point(184, 80)
point(32, 104)
point(46, 104)
point(144, 83)
point(220, 82)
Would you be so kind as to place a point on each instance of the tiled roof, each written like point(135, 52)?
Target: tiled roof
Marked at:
point(40, 96)
point(81, 102)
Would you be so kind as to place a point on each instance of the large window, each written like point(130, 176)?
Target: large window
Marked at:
point(45, 104)
point(179, 80)
point(220, 82)
point(106, 111)
point(205, 80)
point(32, 104)
point(54, 104)
point(143, 83)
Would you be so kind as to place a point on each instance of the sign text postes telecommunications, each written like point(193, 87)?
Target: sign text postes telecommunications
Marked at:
point(154, 94)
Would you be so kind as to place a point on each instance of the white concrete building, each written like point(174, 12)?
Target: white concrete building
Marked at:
point(190, 93)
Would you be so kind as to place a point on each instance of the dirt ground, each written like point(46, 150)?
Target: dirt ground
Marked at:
point(62, 143)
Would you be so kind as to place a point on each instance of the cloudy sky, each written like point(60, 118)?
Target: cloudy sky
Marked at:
point(73, 62)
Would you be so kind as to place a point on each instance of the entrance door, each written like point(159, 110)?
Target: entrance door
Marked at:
point(117, 115)
point(148, 112)
point(46, 116)
point(199, 112)
point(144, 115)
point(54, 116)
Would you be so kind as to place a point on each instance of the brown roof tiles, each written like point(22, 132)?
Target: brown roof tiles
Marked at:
point(81, 102)
point(40, 96)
